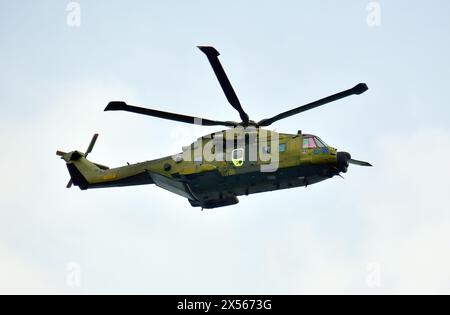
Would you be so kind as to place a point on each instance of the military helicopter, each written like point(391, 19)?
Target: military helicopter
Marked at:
point(217, 168)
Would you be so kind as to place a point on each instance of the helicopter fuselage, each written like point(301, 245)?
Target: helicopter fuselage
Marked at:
point(215, 178)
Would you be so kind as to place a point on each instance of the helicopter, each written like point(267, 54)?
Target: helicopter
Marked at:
point(246, 158)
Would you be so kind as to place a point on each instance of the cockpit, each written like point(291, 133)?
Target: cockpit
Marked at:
point(312, 142)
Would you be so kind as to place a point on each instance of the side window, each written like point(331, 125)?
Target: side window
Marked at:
point(237, 157)
point(282, 147)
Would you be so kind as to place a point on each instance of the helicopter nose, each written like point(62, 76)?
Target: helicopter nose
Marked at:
point(343, 159)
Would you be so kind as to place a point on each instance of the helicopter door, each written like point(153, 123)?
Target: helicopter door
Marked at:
point(243, 158)
point(308, 149)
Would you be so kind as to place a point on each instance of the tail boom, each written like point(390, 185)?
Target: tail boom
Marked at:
point(87, 175)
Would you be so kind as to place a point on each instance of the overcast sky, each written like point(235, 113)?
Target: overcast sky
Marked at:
point(384, 229)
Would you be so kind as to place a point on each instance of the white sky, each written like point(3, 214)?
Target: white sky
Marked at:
point(381, 230)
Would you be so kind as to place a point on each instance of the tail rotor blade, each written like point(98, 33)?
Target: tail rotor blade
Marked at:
point(91, 145)
point(70, 183)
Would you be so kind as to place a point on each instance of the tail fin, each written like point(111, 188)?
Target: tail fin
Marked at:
point(80, 169)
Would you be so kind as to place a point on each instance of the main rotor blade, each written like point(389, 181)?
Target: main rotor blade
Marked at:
point(91, 145)
point(232, 98)
point(360, 163)
point(70, 183)
point(358, 89)
point(166, 115)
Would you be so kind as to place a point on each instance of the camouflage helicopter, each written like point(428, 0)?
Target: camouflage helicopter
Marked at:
point(217, 168)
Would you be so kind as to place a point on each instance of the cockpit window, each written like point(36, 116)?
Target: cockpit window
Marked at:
point(311, 142)
point(308, 143)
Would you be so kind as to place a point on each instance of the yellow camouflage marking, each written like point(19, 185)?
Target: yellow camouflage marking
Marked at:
point(197, 169)
point(110, 176)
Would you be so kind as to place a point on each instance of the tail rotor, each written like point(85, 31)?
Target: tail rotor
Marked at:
point(89, 150)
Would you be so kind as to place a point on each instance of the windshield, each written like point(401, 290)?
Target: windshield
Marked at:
point(320, 143)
